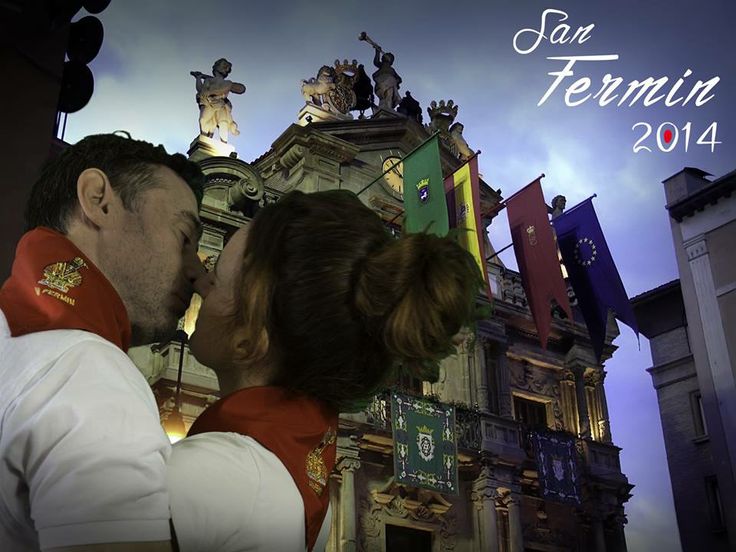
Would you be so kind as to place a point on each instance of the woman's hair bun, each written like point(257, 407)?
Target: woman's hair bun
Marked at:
point(418, 292)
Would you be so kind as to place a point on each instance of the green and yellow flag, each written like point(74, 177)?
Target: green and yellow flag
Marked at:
point(424, 192)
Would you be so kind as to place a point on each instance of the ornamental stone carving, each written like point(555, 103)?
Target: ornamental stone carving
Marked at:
point(420, 507)
point(540, 382)
point(332, 89)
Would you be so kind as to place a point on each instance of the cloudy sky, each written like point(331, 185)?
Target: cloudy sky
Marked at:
point(464, 51)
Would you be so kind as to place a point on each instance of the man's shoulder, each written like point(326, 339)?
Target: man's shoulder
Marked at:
point(53, 341)
point(65, 363)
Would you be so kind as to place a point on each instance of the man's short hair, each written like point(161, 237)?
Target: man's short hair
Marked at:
point(128, 163)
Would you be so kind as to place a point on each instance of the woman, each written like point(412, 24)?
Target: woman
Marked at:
point(311, 308)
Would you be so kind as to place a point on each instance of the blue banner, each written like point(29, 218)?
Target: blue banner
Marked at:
point(592, 272)
point(557, 467)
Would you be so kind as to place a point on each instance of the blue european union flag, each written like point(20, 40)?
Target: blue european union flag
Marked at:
point(592, 272)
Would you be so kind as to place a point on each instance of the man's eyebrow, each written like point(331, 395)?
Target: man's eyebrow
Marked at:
point(192, 219)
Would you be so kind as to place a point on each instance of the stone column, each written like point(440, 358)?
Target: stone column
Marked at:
point(599, 535)
point(605, 421)
point(347, 530)
point(569, 401)
point(576, 361)
point(724, 381)
point(504, 386)
point(482, 396)
point(582, 400)
point(594, 411)
point(484, 496)
point(619, 542)
point(516, 532)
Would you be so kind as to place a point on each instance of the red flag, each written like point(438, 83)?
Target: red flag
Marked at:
point(536, 254)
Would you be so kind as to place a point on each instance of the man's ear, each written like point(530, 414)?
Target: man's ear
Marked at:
point(96, 197)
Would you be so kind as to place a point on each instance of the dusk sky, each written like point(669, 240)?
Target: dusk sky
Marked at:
point(464, 51)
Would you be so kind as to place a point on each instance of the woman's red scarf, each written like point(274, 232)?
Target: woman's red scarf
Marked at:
point(54, 286)
point(298, 429)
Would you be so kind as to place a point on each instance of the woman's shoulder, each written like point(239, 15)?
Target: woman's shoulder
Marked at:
point(240, 487)
point(238, 463)
point(238, 455)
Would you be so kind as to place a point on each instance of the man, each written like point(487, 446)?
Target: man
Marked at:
point(109, 262)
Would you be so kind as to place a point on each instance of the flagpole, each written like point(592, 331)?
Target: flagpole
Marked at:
point(436, 133)
point(499, 252)
point(571, 209)
point(502, 205)
point(468, 160)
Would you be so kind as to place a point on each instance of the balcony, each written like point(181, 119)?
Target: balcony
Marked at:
point(504, 438)
point(602, 460)
point(476, 431)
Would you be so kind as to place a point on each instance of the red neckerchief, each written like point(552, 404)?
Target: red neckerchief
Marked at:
point(54, 286)
point(300, 430)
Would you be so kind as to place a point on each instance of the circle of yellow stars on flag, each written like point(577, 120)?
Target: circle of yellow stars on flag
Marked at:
point(580, 258)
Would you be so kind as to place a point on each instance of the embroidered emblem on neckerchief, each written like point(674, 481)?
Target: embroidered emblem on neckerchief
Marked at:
point(55, 286)
point(63, 275)
point(60, 277)
point(316, 466)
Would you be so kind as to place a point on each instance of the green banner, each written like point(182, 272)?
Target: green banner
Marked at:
point(425, 448)
point(424, 191)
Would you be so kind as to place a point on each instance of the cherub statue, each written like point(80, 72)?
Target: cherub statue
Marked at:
point(215, 109)
point(386, 78)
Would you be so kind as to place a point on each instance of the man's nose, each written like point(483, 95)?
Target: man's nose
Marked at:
point(194, 269)
point(204, 284)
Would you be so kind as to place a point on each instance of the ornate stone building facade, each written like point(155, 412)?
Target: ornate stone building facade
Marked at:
point(501, 381)
point(691, 326)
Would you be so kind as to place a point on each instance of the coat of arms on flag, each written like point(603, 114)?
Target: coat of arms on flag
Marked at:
point(557, 466)
point(423, 190)
point(425, 449)
point(425, 442)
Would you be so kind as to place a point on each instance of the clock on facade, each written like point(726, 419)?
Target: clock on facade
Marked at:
point(395, 175)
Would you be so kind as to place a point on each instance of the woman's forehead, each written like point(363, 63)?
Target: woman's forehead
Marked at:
point(235, 246)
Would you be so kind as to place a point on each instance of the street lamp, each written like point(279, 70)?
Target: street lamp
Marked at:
point(174, 424)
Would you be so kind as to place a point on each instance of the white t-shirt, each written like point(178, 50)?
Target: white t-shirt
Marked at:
point(230, 494)
point(82, 452)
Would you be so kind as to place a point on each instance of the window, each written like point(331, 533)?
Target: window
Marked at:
point(402, 539)
point(696, 405)
point(529, 412)
point(715, 508)
point(410, 384)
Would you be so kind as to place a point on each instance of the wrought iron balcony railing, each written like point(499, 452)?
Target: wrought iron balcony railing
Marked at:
point(480, 432)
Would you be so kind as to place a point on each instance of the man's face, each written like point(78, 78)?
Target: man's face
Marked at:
point(150, 257)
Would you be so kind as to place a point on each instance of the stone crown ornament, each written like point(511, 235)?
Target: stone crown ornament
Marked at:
point(443, 110)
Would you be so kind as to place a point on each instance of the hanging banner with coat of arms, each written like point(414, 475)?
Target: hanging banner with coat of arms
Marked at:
point(425, 447)
point(558, 471)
